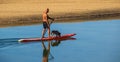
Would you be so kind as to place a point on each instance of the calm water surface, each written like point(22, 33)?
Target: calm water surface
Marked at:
point(97, 41)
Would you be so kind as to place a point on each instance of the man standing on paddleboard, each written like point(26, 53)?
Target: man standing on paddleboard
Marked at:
point(46, 24)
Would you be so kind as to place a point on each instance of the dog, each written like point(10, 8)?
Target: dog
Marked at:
point(56, 33)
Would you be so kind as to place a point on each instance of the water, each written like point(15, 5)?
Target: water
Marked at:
point(97, 41)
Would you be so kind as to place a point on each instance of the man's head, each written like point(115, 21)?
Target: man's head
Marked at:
point(47, 10)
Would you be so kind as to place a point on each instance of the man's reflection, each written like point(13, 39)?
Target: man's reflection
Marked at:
point(46, 52)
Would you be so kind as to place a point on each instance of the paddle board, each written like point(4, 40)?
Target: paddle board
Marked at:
point(47, 38)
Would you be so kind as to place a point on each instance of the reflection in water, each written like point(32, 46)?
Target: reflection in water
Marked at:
point(8, 42)
point(56, 43)
point(46, 50)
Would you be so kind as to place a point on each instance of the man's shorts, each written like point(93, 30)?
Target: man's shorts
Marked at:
point(45, 25)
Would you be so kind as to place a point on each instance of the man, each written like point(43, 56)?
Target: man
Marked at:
point(46, 24)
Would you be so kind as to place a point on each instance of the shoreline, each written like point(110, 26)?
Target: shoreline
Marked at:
point(105, 14)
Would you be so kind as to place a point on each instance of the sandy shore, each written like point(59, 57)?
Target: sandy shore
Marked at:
point(14, 13)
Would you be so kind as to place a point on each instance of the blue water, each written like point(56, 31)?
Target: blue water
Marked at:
point(96, 41)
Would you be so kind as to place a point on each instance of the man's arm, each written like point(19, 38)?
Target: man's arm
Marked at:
point(50, 18)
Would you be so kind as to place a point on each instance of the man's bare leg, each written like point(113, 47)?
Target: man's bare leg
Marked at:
point(43, 32)
point(49, 32)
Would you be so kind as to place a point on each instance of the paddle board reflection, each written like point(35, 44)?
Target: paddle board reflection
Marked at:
point(46, 49)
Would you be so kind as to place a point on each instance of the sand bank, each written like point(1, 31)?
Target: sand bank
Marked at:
point(15, 12)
